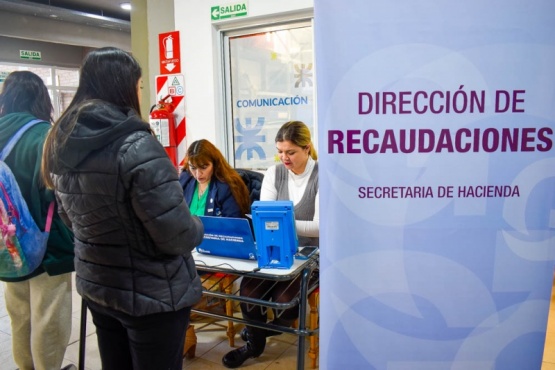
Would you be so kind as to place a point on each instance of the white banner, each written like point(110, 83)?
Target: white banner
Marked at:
point(436, 131)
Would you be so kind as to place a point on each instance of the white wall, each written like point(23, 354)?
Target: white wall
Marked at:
point(199, 38)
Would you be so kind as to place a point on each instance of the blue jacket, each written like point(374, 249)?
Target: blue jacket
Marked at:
point(220, 201)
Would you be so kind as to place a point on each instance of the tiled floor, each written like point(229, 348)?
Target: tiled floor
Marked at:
point(212, 344)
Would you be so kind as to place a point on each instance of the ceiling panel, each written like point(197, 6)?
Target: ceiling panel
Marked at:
point(96, 13)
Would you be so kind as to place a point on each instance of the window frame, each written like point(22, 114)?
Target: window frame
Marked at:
point(227, 140)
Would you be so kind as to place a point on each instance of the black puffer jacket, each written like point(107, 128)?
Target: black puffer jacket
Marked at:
point(134, 233)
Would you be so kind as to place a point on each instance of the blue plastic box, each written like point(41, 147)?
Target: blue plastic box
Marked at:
point(275, 233)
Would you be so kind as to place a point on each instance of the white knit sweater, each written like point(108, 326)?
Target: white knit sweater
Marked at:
point(297, 185)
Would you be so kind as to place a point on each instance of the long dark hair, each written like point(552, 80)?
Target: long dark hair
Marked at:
point(201, 152)
point(107, 74)
point(24, 91)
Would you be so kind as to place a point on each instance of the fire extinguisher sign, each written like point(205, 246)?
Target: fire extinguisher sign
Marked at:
point(170, 58)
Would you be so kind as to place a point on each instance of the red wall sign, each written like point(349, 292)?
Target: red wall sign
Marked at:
point(170, 59)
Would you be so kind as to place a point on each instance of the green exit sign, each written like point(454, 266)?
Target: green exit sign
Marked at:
point(30, 54)
point(217, 13)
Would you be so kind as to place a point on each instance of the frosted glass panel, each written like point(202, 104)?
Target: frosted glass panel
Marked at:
point(272, 82)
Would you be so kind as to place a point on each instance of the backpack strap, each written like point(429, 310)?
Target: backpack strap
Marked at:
point(6, 151)
point(49, 217)
point(15, 138)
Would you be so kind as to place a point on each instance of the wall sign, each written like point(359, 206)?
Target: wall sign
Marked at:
point(232, 10)
point(174, 85)
point(30, 55)
point(170, 52)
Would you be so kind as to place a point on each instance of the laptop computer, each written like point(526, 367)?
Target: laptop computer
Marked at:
point(227, 237)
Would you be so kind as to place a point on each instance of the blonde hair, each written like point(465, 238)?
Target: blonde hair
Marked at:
point(298, 133)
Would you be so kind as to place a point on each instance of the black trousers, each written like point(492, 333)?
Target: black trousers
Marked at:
point(152, 342)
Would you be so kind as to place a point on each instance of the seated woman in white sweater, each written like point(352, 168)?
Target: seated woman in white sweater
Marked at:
point(295, 179)
point(307, 227)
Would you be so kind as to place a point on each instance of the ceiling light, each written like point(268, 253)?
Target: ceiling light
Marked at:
point(126, 6)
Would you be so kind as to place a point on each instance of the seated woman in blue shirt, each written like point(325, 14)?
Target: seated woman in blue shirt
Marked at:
point(210, 185)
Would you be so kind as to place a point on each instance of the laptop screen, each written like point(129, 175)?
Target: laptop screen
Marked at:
point(227, 237)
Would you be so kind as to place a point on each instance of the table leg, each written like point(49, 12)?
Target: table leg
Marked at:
point(228, 281)
point(302, 318)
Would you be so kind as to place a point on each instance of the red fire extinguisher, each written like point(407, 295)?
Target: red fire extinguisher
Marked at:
point(162, 123)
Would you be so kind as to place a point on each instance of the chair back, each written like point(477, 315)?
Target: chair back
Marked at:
point(253, 180)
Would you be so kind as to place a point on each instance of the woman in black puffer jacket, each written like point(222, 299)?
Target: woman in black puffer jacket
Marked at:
point(120, 194)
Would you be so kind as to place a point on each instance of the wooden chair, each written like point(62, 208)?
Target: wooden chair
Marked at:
point(313, 323)
point(222, 283)
point(190, 344)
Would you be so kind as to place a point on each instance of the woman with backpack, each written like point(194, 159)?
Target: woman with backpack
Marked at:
point(39, 304)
